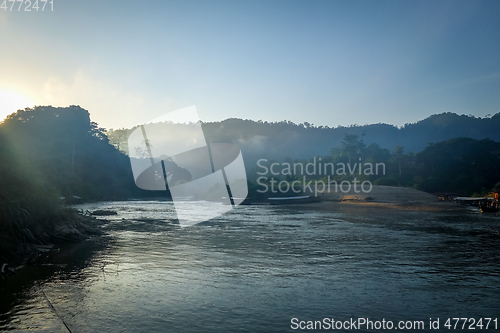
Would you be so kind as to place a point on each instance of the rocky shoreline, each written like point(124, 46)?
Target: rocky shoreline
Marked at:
point(70, 226)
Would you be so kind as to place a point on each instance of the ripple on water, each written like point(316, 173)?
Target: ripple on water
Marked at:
point(256, 267)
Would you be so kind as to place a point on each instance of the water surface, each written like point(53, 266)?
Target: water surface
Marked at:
point(257, 267)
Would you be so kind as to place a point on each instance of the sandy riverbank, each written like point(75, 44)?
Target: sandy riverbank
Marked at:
point(434, 206)
point(385, 197)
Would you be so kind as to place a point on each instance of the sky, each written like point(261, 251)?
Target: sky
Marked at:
point(328, 63)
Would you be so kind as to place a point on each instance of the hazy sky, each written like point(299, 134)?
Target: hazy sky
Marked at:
point(325, 62)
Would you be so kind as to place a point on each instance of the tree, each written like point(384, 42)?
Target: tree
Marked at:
point(460, 165)
point(119, 137)
point(352, 146)
point(398, 157)
point(69, 151)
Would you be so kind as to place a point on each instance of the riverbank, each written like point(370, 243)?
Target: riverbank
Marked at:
point(384, 197)
point(408, 206)
point(25, 245)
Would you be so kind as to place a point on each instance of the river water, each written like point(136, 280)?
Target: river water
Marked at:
point(257, 267)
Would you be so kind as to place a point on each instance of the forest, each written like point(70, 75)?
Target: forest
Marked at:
point(442, 153)
point(281, 140)
point(50, 153)
point(463, 166)
point(47, 156)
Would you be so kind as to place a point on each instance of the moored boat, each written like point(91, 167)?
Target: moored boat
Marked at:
point(485, 204)
point(293, 200)
point(240, 201)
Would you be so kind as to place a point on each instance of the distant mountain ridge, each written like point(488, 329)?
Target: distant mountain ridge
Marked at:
point(284, 139)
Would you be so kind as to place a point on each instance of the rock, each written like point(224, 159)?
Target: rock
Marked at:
point(103, 212)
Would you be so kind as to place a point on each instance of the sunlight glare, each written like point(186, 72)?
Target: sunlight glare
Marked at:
point(10, 102)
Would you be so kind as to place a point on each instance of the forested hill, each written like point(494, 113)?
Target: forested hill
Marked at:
point(284, 139)
point(50, 154)
point(46, 152)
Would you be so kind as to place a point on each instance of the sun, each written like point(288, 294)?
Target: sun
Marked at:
point(11, 101)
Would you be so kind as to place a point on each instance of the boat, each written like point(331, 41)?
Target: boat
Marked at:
point(485, 204)
point(304, 199)
point(242, 201)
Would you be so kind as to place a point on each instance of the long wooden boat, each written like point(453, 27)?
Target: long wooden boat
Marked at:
point(304, 199)
point(246, 201)
point(485, 205)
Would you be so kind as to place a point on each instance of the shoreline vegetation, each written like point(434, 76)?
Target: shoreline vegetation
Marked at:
point(47, 153)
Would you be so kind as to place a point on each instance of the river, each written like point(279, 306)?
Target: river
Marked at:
point(256, 268)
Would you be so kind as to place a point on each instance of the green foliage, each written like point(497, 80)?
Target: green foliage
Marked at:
point(279, 140)
point(27, 201)
point(460, 165)
point(119, 138)
point(70, 152)
point(352, 147)
point(373, 143)
point(48, 152)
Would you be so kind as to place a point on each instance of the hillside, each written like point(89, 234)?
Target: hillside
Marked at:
point(285, 139)
point(258, 139)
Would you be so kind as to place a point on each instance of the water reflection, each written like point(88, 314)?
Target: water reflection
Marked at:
point(257, 267)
